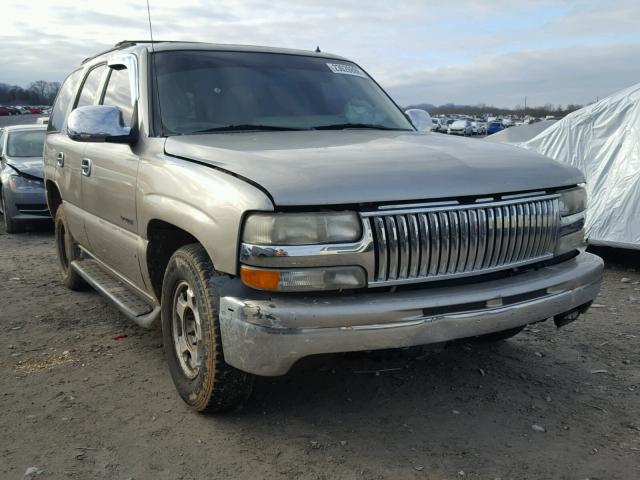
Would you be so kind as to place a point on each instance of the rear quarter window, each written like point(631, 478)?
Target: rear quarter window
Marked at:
point(61, 106)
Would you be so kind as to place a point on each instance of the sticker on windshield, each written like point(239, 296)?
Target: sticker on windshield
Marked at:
point(346, 69)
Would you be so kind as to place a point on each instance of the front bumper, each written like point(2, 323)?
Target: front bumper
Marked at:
point(29, 205)
point(267, 336)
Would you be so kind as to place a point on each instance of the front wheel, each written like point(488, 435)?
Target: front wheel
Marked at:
point(191, 335)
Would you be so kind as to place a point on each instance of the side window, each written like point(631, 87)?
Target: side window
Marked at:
point(65, 97)
point(1, 141)
point(88, 94)
point(118, 93)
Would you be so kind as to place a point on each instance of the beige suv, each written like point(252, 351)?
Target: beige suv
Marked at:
point(262, 205)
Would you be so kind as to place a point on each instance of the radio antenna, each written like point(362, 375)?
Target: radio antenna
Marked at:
point(150, 27)
point(155, 98)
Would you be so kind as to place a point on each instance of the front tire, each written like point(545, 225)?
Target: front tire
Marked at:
point(191, 335)
point(68, 251)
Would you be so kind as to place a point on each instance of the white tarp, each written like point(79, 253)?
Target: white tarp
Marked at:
point(520, 133)
point(603, 140)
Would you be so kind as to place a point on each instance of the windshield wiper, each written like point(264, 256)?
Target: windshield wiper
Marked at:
point(249, 127)
point(342, 126)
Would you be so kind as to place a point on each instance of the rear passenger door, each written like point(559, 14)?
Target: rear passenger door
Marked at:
point(110, 189)
point(62, 155)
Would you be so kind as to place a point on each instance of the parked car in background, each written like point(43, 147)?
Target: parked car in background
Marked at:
point(22, 196)
point(479, 128)
point(494, 127)
point(13, 110)
point(446, 124)
point(4, 112)
point(460, 127)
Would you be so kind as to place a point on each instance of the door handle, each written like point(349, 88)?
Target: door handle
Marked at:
point(60, 159)
point(85, 166)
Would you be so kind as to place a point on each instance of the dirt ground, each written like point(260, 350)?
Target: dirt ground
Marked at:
point(547, 404)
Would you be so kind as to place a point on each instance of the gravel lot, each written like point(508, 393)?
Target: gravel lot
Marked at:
point(548, 404)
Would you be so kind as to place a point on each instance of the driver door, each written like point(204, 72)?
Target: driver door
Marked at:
point(109, 182)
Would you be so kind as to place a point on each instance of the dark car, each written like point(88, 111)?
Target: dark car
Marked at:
point(22, 197)
point(494, 127)
point(4, 112)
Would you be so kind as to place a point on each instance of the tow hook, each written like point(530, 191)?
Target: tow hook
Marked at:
point(570, 316)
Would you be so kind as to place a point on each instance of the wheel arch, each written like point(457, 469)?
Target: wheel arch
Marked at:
point(54, 199)
point(163, 240)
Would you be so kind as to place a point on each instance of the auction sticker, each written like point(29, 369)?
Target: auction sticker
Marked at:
point(346, 69)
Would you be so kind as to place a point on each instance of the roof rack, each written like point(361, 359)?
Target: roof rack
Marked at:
point(131, 43)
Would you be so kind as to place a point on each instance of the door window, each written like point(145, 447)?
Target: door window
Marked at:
point(88, 94)
point(118, 93)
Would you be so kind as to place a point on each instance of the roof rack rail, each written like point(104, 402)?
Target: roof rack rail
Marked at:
point(131, 43)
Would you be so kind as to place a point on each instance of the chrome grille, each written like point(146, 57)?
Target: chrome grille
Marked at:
point(433, 243)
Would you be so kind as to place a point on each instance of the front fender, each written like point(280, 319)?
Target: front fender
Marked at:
point(206, 203)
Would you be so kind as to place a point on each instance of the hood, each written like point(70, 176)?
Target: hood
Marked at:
point(372, 166)
point(28, 165)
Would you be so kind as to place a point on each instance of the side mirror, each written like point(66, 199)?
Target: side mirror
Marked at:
point(420, 119)
point(99, 123)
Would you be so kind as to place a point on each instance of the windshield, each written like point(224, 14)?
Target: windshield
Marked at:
point(207, 90)
point(25, 144)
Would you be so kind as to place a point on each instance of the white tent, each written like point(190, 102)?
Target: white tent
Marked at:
point(603, 140)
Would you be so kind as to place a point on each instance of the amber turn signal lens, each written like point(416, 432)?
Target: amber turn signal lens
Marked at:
point(259, 278)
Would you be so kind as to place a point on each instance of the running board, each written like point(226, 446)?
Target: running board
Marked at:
point(132, 304)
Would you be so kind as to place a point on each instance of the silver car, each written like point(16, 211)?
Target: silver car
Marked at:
point(460, 127)
point(262, 205)
point(22, 197)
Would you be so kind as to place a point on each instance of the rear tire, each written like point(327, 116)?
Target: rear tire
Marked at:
point(498, 336)
point(191, 335)
point(68, 251)
point(10, 226)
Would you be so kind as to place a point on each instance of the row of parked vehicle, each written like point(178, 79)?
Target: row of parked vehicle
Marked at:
point(6, 111)
point(465, 126)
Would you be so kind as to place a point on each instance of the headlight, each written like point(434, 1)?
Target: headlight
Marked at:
point(303, 279)
point(573, 201)
point(18, 182)
point(301, 228)
point(573, 204)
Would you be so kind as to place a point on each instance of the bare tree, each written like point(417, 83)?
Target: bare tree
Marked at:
point(39, 87)
point(51, 91)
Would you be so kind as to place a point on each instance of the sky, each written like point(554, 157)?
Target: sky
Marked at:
point(492, 52)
